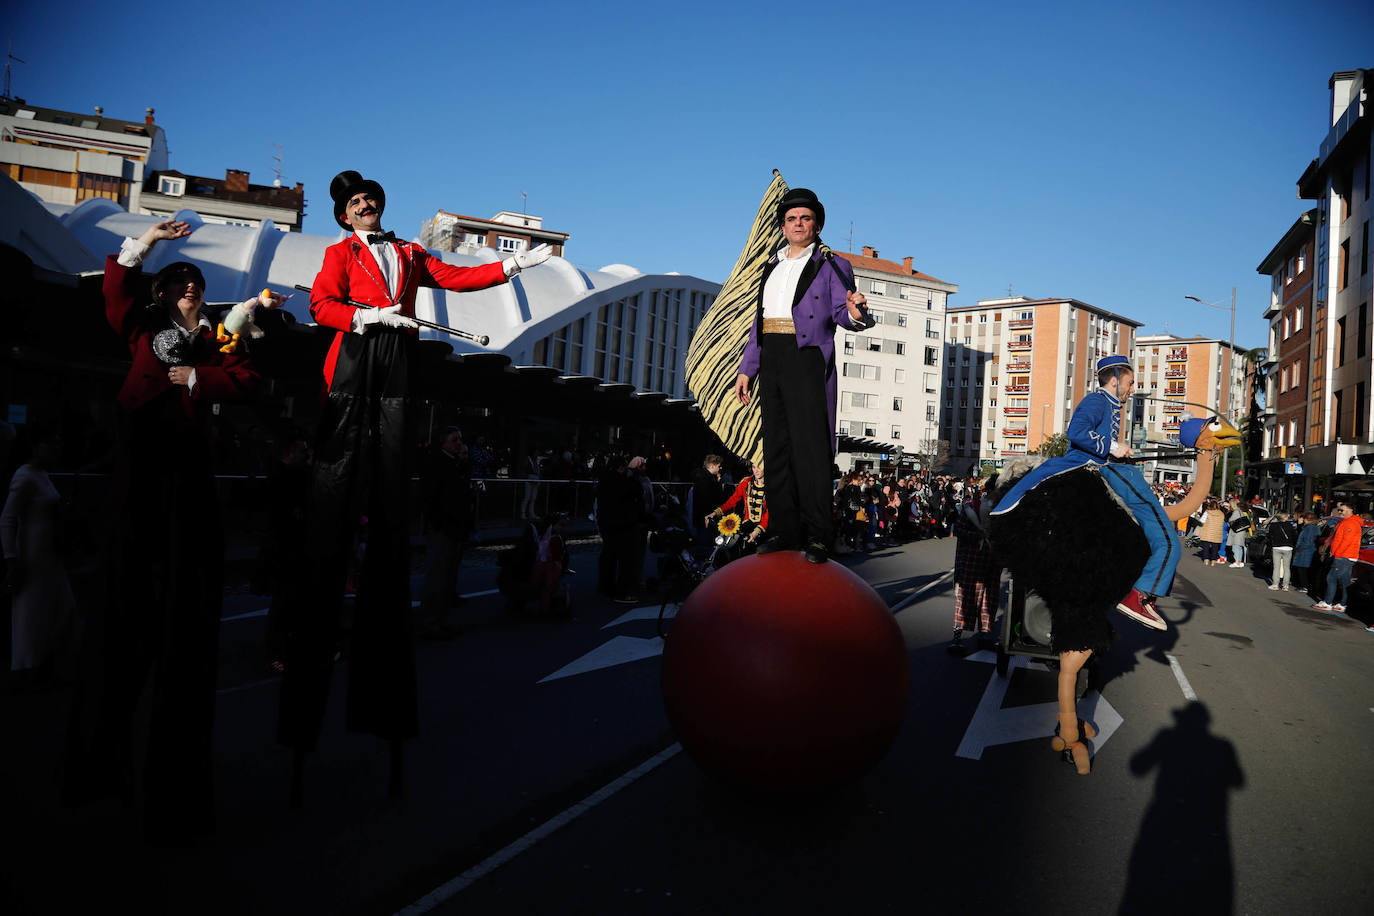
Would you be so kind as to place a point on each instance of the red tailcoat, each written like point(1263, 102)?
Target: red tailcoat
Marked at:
point(351, 272)
point(219, 377)
point(741, 498)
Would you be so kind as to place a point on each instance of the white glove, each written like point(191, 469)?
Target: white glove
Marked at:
point(537, 255)
point(390, 317)
point(1119, 450)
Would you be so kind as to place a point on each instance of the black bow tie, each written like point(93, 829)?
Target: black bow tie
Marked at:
point(376, 237)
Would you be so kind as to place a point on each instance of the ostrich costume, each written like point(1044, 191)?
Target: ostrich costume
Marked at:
point(1075, 514)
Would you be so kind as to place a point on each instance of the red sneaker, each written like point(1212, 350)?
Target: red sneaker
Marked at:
point(1141, 608)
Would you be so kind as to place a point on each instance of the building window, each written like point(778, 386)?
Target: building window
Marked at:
point(896, 403)
point(1344, 278)
point(173, 187)
point(1297, 319)
point(1340, 342)
point(876, 315)
point(930, 413)
point(870, 431)
point(506, 243)
point(901, 348)
point(1362, 329)
point(1287, 327)
point(877, 286)
point(896, 433)
point(932, 357)
point(849, 345)
point(844, 427)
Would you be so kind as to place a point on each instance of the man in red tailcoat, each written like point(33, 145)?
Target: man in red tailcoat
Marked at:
point(365, 291)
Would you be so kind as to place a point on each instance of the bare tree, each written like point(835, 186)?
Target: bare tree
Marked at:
point(932, 454)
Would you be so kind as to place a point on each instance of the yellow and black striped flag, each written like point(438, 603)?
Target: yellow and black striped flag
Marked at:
point(714, 356)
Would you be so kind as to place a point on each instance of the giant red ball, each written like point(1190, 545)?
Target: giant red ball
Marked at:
point(785, 676)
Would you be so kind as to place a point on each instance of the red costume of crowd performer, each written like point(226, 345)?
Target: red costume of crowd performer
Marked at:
point(362, 467)
point(165, 559)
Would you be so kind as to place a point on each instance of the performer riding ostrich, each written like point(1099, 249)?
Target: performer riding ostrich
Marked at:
point(1082, 545)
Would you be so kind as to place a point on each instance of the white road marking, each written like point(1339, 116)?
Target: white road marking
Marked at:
point(451, 888)
point(1182, 678)
point(618, 651)
point(262, 611)
point(910, 599)
point(643, 613)
point(992, 725)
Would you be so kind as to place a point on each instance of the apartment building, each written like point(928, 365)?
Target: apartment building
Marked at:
point(230, 201)
point(1339, 440)
point(66, 157)
point(1015, 368)
point(507, 233)
point(1186, 377)
point(889, 375)
point(1289, 385)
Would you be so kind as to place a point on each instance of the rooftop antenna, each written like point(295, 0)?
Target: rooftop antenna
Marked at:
point(851, 236)
point(1008, 290)
point(276, 182)
point(9, 56)
point(525, 203)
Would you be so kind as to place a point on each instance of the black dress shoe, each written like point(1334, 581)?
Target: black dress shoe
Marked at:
point(816, 552)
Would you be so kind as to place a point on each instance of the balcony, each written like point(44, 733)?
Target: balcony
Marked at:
point(1171, 425)
point(1018, 367)
point(1021, 323)
point(1173, 408)
point(1016, 411)
point(1017, 389)
point(1176, 373)
point(1019, 344)
point(1013, 453)
point(1012, 432)
point(1177, 356)
point(1175, 393)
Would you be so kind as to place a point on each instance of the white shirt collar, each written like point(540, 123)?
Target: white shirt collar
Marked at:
point(804, 256)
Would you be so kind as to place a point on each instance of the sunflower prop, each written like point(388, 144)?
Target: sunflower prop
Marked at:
point(728, 524)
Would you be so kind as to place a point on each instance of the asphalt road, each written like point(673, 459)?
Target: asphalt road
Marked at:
point(526, 794)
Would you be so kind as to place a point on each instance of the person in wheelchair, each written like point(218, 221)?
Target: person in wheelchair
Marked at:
point(749, 504)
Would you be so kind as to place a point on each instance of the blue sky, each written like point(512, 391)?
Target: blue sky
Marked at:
point(1125, 155)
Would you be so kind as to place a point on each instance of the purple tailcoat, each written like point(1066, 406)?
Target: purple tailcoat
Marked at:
point(817, 307)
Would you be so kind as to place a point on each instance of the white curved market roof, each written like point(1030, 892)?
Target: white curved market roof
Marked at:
point(239, 261)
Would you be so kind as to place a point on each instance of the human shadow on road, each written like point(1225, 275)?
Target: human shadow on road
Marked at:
point(1182, 857)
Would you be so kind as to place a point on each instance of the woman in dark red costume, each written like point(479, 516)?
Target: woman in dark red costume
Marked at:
point(166, 551)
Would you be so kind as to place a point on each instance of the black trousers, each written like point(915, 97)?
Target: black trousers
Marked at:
point(796, 439)
point(361, 467)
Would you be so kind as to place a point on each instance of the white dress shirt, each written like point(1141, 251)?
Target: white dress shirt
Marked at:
point(131, 254)
point(781, 287)
point(387, 259)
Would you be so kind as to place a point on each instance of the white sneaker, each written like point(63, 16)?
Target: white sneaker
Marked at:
point(1321, 606)
point(1237, 565)
point(1273, 588)
point(1338, 607)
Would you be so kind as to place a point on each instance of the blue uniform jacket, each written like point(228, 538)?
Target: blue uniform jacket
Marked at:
point(1093, 428)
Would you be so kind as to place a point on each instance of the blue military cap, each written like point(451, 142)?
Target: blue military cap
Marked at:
point(1111, 362)
point(1189, 430)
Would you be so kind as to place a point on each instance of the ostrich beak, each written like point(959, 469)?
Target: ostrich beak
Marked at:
point(1222, 436)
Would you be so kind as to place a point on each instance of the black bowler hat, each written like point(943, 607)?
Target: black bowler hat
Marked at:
point(802, 197)
point(174, 274)
point(345, 185)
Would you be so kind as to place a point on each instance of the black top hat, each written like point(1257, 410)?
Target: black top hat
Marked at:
point(345, 185)
point(802, 197)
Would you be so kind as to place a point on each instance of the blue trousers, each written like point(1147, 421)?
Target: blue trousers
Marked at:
point(1338, 579)
point(1128, 482)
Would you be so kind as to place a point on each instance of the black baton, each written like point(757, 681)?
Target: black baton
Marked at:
point(480, 339)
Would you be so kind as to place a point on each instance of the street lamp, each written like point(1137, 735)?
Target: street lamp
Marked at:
point(1230, 373)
